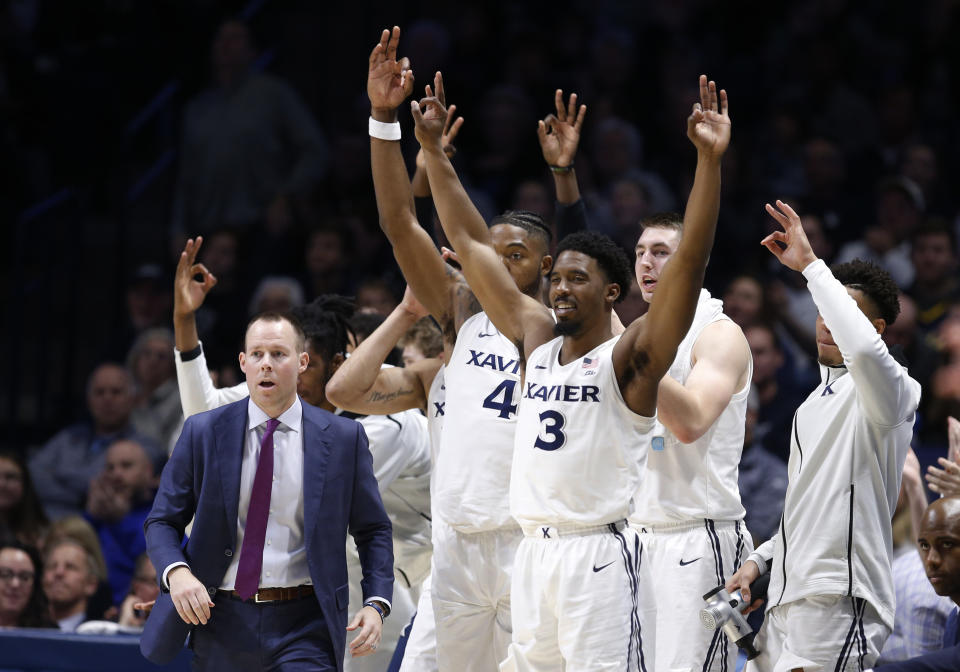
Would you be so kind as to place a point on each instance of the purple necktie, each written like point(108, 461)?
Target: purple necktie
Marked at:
point(251, 552)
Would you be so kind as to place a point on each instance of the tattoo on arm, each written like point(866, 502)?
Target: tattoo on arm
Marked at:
point(389, 396)
point(465, 304)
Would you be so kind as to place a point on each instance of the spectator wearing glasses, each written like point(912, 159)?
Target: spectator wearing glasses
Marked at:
point(22, 602)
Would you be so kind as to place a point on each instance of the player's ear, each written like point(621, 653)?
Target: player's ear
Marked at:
point(879, 324)
point(613, 293)
point(546, 265)
point(335, 363)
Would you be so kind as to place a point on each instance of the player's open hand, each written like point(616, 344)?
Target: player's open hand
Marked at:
point(708, 126)
point(790, 246)
point(389, 81)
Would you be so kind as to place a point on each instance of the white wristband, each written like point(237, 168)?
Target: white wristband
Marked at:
point(383, 131)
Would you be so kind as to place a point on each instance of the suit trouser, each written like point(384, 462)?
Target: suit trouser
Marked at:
point(288, 636)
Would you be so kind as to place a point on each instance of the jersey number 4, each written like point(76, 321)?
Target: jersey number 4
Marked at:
point(501, 399)
point(552, 427)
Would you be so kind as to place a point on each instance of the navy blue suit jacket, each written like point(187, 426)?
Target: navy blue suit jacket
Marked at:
point(202, 479)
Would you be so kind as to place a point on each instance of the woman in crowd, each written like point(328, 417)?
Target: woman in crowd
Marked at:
point(21, 515)
point(22, 604)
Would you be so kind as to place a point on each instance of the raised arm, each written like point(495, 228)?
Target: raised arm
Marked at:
point(559, 136)
point(512, 312)
point(191, 284)
point(649, 345)
point(420, 182)
point(884, 391)
point(911, 484)
point(389, 82)
point(360, 384)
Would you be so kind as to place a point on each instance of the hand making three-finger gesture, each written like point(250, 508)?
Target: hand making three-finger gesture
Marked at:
point(430, 116)
point(389, 81)
point(559, 133)
point(708, 126)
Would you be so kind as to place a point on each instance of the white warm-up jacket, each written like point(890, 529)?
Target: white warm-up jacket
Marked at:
point(849, 441)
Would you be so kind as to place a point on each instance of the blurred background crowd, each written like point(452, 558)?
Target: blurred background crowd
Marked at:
point(127, 126)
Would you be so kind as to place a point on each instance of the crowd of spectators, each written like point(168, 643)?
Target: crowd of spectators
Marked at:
point(846, 114)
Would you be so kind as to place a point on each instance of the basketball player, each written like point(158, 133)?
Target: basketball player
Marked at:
point(363, 385)
point(398, 442)
point(474, 536)
point(688, 511)
point(587, 409)
point(831, 597)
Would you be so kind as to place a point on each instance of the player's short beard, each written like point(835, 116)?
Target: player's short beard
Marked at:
point(567, 328)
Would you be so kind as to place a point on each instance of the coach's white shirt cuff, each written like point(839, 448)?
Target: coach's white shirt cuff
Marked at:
point(166, 584)
point(380, 599)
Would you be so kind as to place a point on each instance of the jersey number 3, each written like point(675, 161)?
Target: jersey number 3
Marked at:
point(551, 427)
point(504, 406)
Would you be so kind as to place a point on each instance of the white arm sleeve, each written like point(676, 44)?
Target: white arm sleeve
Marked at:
point(166, 572)
point(762, 555)
point(197, 393)
point(887, 395)
point(390, 455)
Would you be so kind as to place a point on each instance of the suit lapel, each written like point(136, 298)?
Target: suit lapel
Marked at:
point(316, 454)
point(229, 438)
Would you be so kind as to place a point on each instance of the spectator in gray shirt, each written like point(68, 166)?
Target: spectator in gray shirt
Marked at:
point(248, 144)
point(62, 468)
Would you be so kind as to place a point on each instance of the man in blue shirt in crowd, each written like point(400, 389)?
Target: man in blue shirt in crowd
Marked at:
point(939, 541)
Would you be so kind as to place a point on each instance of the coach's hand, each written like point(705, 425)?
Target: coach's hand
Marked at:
point(189, 596)
point(371, 625)
point(747, 574)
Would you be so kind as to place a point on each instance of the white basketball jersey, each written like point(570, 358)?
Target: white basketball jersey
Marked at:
point(693, 481)
point(482, 378)
point(580, 452)
point(436, 407)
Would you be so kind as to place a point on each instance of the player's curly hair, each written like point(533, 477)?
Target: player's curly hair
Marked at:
point(529, 221)
point(610, 257)
point(874, 282)
point(326, 324)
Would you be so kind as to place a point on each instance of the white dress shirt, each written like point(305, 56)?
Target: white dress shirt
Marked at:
point(284, 549)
